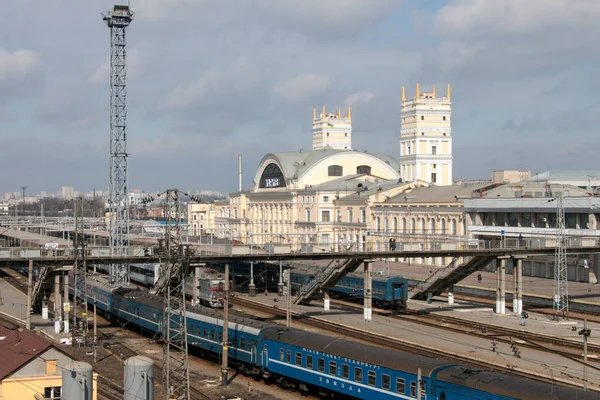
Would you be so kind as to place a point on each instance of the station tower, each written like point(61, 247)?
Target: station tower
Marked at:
point(426, 137)
point(332, 130)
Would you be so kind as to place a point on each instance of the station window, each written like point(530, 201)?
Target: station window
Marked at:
point(423, 387)
point(309, 362)
point(358, 374)
point(220, 337)
point(211, 335)
point(243, 343)
point(345, 371)
point(385, 382)
point(372, 378)
point(320, 364)
point(281, 357)
point(400, 385)
point(332, 368)
point(289, 356)
point(413, 388)
point(298, 359)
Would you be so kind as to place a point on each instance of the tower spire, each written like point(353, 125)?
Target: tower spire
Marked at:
point(417, 92)
point(314, 114)
point(339, 113)
point(403, 94)
point(434, 95)
point(323, 115)
point(448, 92)
point(349, 113)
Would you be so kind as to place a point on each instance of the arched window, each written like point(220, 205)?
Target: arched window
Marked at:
point(363, 169)
point(272, 177)
point(412, 225)
point(422, 225)
point(335, 170)
point(443, 226)
point(403, 225)
point(377, 224)
point(432, 226)
point(395, 224)
point(453, 227)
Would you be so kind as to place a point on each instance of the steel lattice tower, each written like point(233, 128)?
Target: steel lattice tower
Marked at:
point(561, 293)
point(79, 331)
point(171, 284)
point(118, 20)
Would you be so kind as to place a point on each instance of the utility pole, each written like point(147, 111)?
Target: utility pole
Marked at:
point(29, 294)
point(288, 313)
point(95, 332)
point(561, 293)
point(585, 332)
point(79, 332)
point(118, 199)
point(23, 188)
point(171, 284)
point(225, 358)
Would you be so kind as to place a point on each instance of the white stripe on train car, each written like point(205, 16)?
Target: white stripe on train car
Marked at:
point(219, 322)
point(348, 382)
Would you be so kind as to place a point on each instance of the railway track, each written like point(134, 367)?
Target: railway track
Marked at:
point(569, 348)
point(397, 343)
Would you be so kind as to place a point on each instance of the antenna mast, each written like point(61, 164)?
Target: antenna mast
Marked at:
point(118, 20)
point(561, 293)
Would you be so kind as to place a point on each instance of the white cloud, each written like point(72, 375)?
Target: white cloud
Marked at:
point(19, 72)
point(462, 17)
point(302, 87)
point(236, 78)
point(359, 97)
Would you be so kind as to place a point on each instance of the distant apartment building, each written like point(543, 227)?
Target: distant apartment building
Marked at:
point(426, 137)
point(67, 192)
point(201, 218)
point(332, 130)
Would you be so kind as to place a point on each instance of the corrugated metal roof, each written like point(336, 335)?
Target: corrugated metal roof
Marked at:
point(437, 194)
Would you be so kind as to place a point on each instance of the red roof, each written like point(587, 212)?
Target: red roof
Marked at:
point(17, 348)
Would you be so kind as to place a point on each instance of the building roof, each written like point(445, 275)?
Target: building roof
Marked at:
point(534, 189)
point(566, 175)
point(295, 165)
point(438, 194)
point(17, 348)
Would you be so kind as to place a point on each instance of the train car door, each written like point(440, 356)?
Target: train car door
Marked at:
point(398, 290)
point(265, 356)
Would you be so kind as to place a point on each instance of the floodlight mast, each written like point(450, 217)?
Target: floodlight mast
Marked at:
point(118, 20)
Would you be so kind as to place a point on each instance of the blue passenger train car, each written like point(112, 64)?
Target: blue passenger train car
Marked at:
point(388, 292)
point(315, 363)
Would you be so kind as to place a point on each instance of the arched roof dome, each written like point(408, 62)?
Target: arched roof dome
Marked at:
point(300, 168)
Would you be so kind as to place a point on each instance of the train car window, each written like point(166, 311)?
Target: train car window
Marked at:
point(400, 385)
point(220, 337)
point(243, 343)
point(281, 356)
point(205, 334)
point(289, 356)
point(385, 381)
point(358, 374)
point(332, 368)
point(423, 388)
point(309, 362)
point(345, 371)
point(320, 364)
point(413, 388)
point(211, 335)
point(372, 378)
point(298, 359)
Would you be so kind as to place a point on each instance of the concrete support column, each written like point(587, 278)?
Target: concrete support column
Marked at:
point(368, 292)
point(57, 298)
point(501, 287)
point(252, 286)
point(66, 304)
point(280, 283)
point(518, 291)
point(326, 301)
point(196, 286)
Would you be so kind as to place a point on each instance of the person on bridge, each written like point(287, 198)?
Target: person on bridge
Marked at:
point(524, 317)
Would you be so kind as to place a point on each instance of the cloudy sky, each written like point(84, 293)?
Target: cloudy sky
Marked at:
point(211, 79)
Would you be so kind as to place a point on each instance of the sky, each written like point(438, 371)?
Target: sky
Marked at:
point(211, 79)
